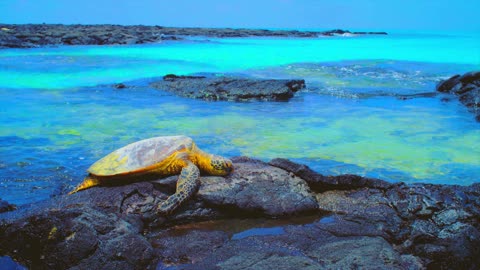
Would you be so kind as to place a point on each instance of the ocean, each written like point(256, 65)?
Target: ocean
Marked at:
point(369, 107)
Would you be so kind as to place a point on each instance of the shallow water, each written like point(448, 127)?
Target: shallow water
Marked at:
point(56, 118)
point(239, 228)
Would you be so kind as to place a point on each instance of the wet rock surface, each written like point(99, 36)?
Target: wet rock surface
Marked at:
point(467, 88)
point(277, 215)
point(34, 35)
point(229, 88)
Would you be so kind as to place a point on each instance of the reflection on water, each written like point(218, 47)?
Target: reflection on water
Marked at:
point(8, 263)
point(235, 229)
point(238, 228)
point(349, 120)
point(258, 232)
point(327, 220)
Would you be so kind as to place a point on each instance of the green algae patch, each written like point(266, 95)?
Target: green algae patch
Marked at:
point(69, 132)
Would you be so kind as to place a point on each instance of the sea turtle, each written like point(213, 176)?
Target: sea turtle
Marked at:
point(159, 156)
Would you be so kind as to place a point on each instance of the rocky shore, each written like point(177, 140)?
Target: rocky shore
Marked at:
point(35, 35)
point(276, 215)
point(229, 88)
point(467, 88)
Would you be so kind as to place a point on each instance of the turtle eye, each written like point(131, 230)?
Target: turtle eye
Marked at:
point(228, 166)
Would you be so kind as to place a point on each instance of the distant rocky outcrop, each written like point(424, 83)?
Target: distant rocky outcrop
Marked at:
point(341, 32)
point(357, 223)
point(467, 88)
point(34, 35)
point(229, 88)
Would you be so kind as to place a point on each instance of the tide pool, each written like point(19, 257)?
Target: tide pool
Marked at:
point(59, 115)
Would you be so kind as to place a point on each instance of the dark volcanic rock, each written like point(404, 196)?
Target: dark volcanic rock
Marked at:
point(322, 183)
point(470, 77)
point(10, 41)
point(5, 206)
point(229, 88)
point(467, 88)
point(75, 237)
point(282, 193)
point(302, 248)
point(34, 35)
point(447, 85)
point(337, 32)
point(119, 86)
point(357, 223)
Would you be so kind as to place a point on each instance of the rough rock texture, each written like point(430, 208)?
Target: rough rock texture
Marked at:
point(251, 189)
point(434, 222)
point(60, 239)
point(467, 88)
point(280, 215)
point(229, 88)
point(34, 35)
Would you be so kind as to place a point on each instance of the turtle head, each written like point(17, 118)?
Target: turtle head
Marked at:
point(220, 166)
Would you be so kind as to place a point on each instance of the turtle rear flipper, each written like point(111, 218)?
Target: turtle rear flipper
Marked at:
point(187, 185)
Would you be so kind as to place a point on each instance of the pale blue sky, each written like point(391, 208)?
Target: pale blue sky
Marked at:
point(350, 14)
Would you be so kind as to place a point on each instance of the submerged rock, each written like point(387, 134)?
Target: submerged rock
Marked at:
point(5, 206)
point(467, 88)
point(352, 222)
point(229, 88)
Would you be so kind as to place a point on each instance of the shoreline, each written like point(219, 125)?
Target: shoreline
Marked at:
point(415, 226)
point(39, 35)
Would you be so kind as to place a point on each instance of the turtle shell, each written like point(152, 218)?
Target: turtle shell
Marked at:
point(138, 156)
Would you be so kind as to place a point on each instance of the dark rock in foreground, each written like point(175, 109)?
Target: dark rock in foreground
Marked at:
point(322, 222)
point(467, 88)
point(34, 35)
point(229, 88)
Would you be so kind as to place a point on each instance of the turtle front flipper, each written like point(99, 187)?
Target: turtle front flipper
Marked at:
point(88, 182)
point(187, 185)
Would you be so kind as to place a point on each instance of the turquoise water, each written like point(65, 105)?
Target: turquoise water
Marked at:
point(59, 114)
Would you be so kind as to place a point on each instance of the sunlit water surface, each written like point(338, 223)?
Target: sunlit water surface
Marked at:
point(361, 112)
